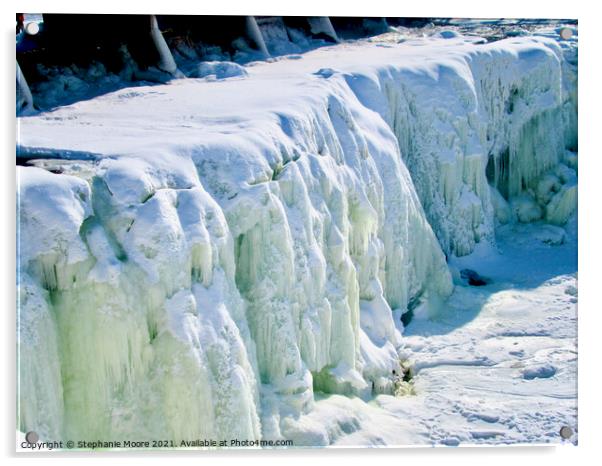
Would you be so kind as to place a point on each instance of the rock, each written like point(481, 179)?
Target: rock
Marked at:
point(474, 279)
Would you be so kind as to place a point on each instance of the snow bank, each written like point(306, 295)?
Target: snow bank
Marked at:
point(238, 244)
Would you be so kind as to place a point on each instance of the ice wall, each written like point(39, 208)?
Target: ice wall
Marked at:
point(502, 118)
point(155, 293)
point(207, 288)
point(129, 306)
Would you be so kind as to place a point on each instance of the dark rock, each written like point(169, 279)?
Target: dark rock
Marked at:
point(406, 317)
point(474, 279)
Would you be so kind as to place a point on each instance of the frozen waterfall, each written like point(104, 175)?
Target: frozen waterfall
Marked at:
point(204, 255)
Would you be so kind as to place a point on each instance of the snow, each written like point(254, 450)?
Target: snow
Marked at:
point(229, 257)
point(219, 70)
point(497, 368)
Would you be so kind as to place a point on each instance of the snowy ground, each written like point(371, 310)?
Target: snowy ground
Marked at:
point(498, 367)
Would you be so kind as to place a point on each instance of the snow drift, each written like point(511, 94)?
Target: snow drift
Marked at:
point(205, 255)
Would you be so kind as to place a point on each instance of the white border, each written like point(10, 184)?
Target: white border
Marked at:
point(590, 235)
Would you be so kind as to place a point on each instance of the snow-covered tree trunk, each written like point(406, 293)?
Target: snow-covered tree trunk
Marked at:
point(255, 35)
point(24, 90)
point(166, 60)
point(322, 25)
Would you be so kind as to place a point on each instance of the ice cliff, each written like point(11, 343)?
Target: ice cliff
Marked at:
point(196, 259)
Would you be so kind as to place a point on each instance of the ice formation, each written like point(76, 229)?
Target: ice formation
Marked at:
point(200, 263)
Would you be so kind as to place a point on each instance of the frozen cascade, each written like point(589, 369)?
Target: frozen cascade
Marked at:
point(162, 293)
point(507, 114)
point(128, 320)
